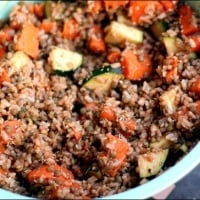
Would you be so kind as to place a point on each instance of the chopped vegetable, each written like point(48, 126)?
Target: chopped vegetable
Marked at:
point(139, 9)
point(136, 67)
point(63, 60)
point(47, 9)
point(158, 27)
point(194, 42)
point(170, 45)
point(188, 21)
point(70, 29)
point(123, 19)
point(78, 135)
point(4, 77)
point(2, 149)
point(2, 52)
point(47, 26)
point(107, 113)
point(96, 44)
point(169, 6)
point(101, 79)
point(173, 72)
point(168, 100)
point(117, 33)
point(6, 35)
point(28, 40)
point(127, 125)
point(114, 57)
point(198, 106)
point(19, 60)
point(163, 143)
point(195, 87)
point(150, 163)
point(192, 55)
point(15, 25)
point(96, 30)
point(96, 41)
point(48, 172)
point(113, 5)
point(30, 8)
point(39, 9)
point(119, 149)
point(183, 148)
point(195, 5)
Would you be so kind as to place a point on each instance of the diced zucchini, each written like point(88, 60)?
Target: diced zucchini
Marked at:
point(47, 9)
point(19, 60)
point(102, 78)
point(151, 163)
point(163, 143)
point(158, 27)
point(184, 148)
point(195, 5)
point(170, 45)
point(117, 33)
point(63, 60)
point(123, 20)
point(192, 55)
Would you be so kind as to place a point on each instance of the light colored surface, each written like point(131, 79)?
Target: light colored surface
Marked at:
point(164, 194)
point(150, 188)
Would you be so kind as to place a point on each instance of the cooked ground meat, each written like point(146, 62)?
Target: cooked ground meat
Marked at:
point(86, 107)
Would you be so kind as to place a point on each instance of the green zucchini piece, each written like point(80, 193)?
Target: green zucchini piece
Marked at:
point(123, 20)
point(19, 60)
point(158, 27)
point(170, 45)
point(102, 78)
point(63, 60)
point(184, 148)
point(151, 163)
point(163, 143)
point(47, 9)
point(117, 33)
point(192, 55)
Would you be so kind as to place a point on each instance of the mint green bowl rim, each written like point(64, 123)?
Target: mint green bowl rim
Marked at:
point(147, 190)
